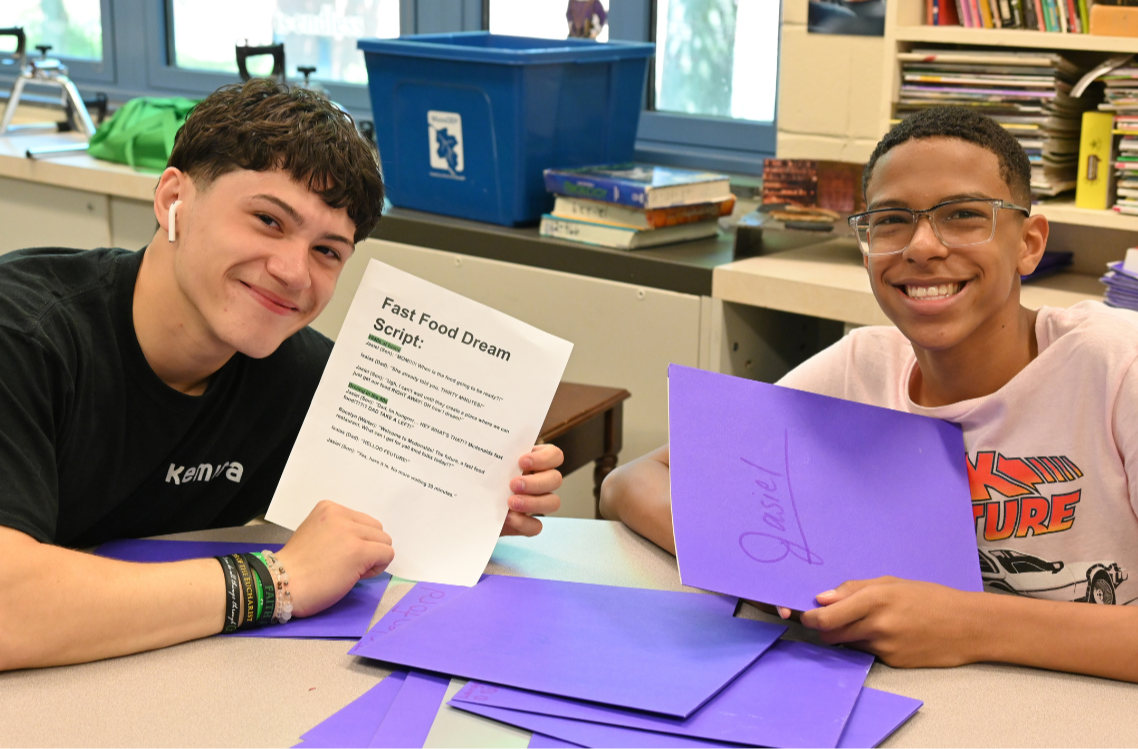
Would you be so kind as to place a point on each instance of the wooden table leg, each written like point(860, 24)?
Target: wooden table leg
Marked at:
point(613, 439)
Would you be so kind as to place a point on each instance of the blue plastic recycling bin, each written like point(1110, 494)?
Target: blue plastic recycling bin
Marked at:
point(465, 123)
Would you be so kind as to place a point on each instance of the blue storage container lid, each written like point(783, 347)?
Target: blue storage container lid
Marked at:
point(482, 46)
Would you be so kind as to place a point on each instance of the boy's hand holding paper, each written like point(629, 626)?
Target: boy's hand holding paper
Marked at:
point(425, 405)
point(778, 495)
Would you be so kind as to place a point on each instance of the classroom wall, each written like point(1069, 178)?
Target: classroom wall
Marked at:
point(830, 92)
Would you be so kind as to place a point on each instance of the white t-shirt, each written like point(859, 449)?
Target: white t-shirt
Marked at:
point(1052, 455)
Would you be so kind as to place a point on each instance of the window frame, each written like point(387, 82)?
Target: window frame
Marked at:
point(137, 46)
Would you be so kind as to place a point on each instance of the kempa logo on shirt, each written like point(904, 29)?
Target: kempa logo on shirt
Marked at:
point(204, 472)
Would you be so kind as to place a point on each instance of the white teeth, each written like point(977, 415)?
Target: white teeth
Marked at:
point(942, 291)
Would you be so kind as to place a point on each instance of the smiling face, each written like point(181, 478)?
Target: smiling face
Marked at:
point(941, 297)
point(257, 257)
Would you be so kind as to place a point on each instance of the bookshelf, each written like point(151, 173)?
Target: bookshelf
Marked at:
point(905, 29)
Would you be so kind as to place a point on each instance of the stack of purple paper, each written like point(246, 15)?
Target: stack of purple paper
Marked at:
point(591, 665)
point(1121, 286)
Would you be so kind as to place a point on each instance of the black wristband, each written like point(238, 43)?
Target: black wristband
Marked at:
point(269, 592)
point(249, 602)
point(232, 594)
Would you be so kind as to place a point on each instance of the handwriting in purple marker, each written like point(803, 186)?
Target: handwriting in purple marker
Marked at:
point(783, 534)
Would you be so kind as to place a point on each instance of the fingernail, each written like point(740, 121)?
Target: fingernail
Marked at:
point(518, 485)
point(827, 593)
point(784, 613)
point(517, 503)
point(526, 462)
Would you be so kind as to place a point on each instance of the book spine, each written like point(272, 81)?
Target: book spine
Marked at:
point(949, 13)
point(605, 236)
point(931, 15)
point(1084, 21)
point(1060, 15)
point(985, 14)
point(593, 188)
point(1040, 18)
point(1007, 19)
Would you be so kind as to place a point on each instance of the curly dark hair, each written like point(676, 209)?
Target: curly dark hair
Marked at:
point(261, 125)
point(967, 125)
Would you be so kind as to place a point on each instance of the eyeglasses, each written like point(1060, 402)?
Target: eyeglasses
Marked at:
point(956, 223)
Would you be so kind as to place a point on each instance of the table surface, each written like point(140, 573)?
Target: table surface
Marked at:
point(262, 692)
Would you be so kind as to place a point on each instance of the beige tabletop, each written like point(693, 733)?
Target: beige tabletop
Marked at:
point(264, 692)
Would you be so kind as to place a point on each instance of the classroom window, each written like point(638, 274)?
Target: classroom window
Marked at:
point(73, 28)
point(544, 19)
point(320, 34)
point(717, 58)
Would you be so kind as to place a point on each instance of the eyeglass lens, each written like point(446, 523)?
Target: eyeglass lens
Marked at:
point(955, 224)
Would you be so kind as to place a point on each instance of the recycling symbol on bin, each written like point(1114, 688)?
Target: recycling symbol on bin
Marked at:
point(447, 145)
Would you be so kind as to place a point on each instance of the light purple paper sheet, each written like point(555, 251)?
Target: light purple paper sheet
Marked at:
point(654, 650)
point(796, 694)
point(778, 495)
point(353, 726)
point(875, 717)
point(541, 741)
point(422, 599)
point(346, 619)
point(409, 719)
point(584, 733)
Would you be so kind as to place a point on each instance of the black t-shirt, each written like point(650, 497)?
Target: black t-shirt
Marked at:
point(94, 446)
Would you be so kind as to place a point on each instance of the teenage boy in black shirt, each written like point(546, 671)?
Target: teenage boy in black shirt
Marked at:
point(161, 391)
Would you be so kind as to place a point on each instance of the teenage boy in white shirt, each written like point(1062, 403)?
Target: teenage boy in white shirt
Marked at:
point(160, 391)
point(1047, 399)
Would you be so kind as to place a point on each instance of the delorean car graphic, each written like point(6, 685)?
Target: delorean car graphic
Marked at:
point(1022, 574)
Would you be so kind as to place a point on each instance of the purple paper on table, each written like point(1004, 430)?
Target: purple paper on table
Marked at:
point(423, 598)
point(796, 694)
point(346, 619)
point(353, 726)
point(541, 741)
point(778, 494)
point(661, 651)
point(584, 733)
point(409, 719)
point(875, 717)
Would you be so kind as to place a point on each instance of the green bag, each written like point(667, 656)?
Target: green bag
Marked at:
point(141, 133)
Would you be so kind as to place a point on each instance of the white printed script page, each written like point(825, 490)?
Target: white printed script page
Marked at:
point(427, 403)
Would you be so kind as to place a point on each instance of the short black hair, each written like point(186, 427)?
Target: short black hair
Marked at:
point(968, 125)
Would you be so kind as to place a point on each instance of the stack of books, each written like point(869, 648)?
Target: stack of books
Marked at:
point(1029, 93)
point(1061, 16)
point(1121, 100)
point(629, 206)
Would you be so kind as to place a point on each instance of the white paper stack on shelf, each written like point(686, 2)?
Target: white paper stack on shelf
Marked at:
point(1122, 100)
point(1027, 92)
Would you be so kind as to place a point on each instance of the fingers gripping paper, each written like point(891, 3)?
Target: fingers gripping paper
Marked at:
point(426, 404)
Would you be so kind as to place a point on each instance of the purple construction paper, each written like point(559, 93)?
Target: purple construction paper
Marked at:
point(423, 598)
point(409, 719)
point(655, 650)
point(347, 618)
point(796, 694)
point(584, 733)
point(875, 717)
point(541, 741)
point(778, 495)
point(353, 726)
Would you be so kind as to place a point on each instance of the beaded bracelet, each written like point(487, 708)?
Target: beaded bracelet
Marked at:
point(283, 610)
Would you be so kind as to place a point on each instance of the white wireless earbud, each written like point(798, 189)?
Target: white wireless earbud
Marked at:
point(170, 222)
